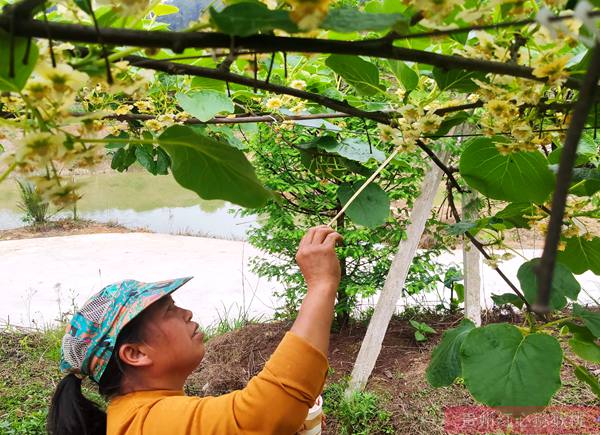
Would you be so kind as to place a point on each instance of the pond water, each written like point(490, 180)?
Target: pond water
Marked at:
point(140, 200)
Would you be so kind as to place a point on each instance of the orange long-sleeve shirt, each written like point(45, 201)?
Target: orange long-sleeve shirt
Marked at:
point(276, 401)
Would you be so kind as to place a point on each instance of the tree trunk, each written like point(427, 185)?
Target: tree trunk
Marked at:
point(394, 283)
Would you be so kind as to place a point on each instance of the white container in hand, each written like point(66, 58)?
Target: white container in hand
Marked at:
point(312, 424)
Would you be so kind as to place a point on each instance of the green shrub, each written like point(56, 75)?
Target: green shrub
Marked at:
point(31, 424)
point(32, 204)
point(308, 183)
point(360, 414)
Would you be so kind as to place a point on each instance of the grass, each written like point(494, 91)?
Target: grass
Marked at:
point(360, 414)
point(32, 203)
point(28, 375)
point(401, 402)
point(27, 382)
point(229, 321)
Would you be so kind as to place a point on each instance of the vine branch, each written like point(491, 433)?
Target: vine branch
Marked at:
point(495, 26)
point(583, 106)
point(184, 69)
point(480, 247)
point(178, 41)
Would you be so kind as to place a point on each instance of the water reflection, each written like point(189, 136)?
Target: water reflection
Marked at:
point(141, 200)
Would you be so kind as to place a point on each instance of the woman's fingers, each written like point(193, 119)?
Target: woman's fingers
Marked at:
point(321, 233)
point(332, 239)
point(307, 239)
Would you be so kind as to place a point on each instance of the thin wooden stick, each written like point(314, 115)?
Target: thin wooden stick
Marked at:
point(364, 186)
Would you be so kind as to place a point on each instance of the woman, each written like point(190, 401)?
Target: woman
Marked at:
point(139, 347)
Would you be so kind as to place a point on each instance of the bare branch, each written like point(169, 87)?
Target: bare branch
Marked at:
point(545, 269)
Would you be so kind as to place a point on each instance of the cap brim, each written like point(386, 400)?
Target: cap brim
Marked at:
point(153, 291)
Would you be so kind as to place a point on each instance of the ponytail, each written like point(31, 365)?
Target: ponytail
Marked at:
point(71, 413)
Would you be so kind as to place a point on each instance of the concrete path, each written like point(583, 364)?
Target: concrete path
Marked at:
point(42, 278)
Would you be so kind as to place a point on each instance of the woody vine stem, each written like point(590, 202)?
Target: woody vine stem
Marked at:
point(17, 21)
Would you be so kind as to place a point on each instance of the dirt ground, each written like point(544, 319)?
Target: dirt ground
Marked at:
point(399, 375)
point(29, 372)
point(64, 227)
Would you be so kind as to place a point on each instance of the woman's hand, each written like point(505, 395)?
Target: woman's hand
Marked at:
point(317, 259)
point(321, 269)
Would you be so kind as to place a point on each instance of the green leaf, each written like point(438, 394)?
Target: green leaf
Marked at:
point(581, 255)
point(204, 83)
point(246, 18)
point(452, 121)
point(107, 16)
point(517, 177)
point(457, 79)
point(584, 375)
point(385, 6)
point(145, 159)
point(123, 158)
point(423, 327)
point(508, 298)
point(580, 332)
point(407, 76)
point(162, 9)
point(590, 319)
point(419, 336)
point(451, 276)
point(358, 150)
point(84, 5)
point(227, 134)
point(587, 350)
point(323, 165)
point(445, 366)
point(116, 145)
point(501, 367)
point(22, 72)
point(461, 227)
point(460, 292)
point(586, 181)
point(515, 213)
point(348, 20)
point(371, 208)
point(362, 75)
point(163, 162)
point(212, 169)
point(586, 149)
point(350, 148)
point(204, 105)
point(564, 284)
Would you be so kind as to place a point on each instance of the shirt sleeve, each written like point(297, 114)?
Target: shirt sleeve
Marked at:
point(276, 401)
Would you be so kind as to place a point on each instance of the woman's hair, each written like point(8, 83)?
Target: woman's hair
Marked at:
point(71, 413)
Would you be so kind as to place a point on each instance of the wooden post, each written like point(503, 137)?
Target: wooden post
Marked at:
point(394, 282)
point(471, 263)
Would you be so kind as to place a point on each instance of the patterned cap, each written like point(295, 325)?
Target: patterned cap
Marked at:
point(91, 336)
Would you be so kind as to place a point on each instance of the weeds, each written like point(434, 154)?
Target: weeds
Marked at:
point(421, 330)
point(359, 414)
point(28, 373)
point(32, 204)
point(228, 322)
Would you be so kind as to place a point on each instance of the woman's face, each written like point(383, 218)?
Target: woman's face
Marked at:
point(174, 342)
